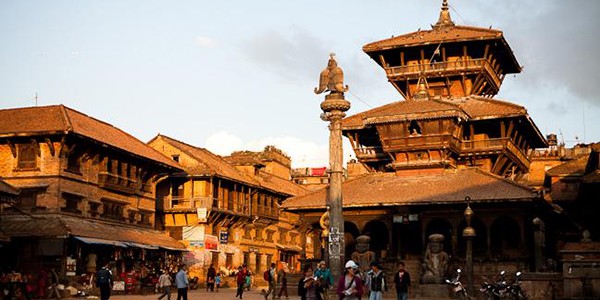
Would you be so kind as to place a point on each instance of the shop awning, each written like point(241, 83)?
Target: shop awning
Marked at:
point(90, 231)
point(89, 240)
point(290, 248)
point(143, 246)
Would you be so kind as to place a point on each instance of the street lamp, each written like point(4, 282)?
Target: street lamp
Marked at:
point(334, 107)
point(469, 233)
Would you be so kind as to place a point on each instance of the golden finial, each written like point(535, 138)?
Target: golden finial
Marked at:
point(444, 19)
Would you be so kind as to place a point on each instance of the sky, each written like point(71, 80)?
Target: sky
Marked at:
point(239, 75)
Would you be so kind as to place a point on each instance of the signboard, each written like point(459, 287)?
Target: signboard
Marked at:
point(202, 214)
point(119, 286)
point(71, 266)
point(194, 234)
point(223, 237)
point(211, 242)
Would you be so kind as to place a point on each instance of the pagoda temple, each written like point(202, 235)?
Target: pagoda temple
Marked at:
point(447, 140)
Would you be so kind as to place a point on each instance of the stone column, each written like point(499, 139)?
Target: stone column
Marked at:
point(334, 107)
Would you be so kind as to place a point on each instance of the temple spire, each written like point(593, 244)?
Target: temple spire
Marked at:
point(444, 19)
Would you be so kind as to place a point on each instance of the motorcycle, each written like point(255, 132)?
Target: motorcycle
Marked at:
point(459, 290)
point(487, 289)
point(515, 289)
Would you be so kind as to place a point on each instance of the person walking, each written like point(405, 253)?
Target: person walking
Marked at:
point(402, 282)
point(309, 286)
point(164, 283)
point(182, 283)
point(376, 281)
point(104, 281)
point(210, 278)
point(240, 279)
point(270, 278)
point(282, 281)
point(350, 286)
point(218, 281)
point(324, 275)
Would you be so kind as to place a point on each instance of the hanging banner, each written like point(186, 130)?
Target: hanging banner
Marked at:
point(194, 234)
point(211, 242)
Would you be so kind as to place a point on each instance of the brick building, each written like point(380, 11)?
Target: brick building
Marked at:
point(226, 209)
point(86, 195)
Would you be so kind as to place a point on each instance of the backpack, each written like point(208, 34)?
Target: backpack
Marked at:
point(267, 275)
point(103, 277)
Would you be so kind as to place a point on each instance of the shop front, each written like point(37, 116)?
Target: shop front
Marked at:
point(67, 251)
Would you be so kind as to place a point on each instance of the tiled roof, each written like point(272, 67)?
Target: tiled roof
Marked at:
point(6, 188)
point(446, 34)
point(472, 107)
point(54, 225)
point(574, 167)
point(61, 120)
point(214, 165)
point(208, 163)
point(279, 184)
point(387, 189)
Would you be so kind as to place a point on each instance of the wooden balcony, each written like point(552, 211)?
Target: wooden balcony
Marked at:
point(117, 183)
point(370, 153)
point(492, 145)
point(416, 142)
point(433, 69)
point(188, 202)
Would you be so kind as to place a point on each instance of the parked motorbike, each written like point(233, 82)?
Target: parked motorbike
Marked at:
point(459, 290)
point(515, 289)
point(501, 289)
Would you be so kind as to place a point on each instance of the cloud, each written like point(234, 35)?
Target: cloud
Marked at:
point(223, 143)
point(558, 46)
point(205, 42)
point(289, 55)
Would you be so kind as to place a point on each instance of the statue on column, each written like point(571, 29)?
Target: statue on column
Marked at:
point(435, 260)
point(331, 78)
point(363, 256)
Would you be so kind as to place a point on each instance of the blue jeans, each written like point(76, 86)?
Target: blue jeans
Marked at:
point(376, 295)
point(402, 295)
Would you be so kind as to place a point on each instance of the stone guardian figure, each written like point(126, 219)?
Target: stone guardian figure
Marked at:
point(435, 260)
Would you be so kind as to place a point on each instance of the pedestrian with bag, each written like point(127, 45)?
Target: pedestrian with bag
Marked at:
point(269, 276)
point(104, 281)
point(324, 275)
point(309, 287)
point(240, 279)
point(350, 286)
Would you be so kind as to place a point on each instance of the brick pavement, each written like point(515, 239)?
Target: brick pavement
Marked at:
point(229, 294)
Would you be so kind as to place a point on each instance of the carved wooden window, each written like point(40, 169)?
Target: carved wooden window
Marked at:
point(145, 218)
point(113, 210)
point(414, 128)
point(94, 209)
point(270, 235)
point(247, 232)
point(247, 258)
point(293, 238)
point(229, 259)
point(131, 216)
point(74, 162)
point(259, 234)
point(27, 199)
point(71, 203)
point(175, 157)
point(282, 236)
point(27, 157)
